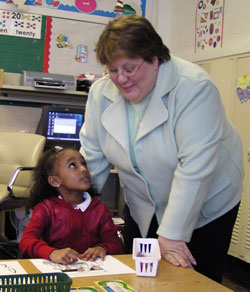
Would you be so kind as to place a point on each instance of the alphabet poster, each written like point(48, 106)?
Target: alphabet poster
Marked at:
point(209, 24)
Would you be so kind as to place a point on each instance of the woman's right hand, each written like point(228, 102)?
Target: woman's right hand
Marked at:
point(176, 252)
point(64, 256)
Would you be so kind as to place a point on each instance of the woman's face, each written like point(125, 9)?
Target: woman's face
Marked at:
point(135, 78)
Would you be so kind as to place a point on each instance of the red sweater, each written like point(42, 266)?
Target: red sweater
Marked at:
point(55, 224)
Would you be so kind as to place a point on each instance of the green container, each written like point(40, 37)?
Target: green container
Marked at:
point(50, 282)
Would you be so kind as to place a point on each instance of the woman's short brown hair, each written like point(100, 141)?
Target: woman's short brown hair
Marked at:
point(130, 36)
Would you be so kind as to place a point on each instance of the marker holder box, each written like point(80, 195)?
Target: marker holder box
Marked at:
point(146, 253)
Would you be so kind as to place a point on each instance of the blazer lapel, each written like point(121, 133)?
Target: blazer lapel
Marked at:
point(155, 115)
point(157, 112)
point(114, 120)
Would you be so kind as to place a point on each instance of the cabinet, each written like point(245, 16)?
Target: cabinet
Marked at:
point(240, 245)
point(224, 72)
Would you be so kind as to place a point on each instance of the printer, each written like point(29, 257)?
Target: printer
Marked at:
point(48, 80)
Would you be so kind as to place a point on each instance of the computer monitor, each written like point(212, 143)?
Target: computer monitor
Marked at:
point(61, 125)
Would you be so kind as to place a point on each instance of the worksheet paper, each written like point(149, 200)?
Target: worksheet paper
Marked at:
point(110, 266)
point(11, 268)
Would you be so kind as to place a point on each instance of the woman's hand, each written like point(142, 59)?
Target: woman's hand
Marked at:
point(176, 252)
point(64, 256)
point(92, 253)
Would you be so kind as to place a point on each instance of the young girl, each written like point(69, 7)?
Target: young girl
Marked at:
point(67, 223)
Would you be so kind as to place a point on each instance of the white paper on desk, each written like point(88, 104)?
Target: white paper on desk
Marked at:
point(11, 268)
point(110, 266)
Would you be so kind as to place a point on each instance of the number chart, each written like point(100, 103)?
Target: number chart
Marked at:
point(22, 38)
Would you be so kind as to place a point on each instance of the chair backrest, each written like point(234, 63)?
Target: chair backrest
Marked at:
point(19, 149)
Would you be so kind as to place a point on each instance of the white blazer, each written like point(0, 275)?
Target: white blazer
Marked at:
point(189, 154)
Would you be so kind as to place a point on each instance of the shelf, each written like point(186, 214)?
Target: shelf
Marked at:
point(11, 90)
point(30, 94)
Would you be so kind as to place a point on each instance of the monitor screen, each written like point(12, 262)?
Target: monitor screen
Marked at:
point(61, 125)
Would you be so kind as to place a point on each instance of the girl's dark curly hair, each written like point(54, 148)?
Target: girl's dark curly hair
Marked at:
point(41, 189)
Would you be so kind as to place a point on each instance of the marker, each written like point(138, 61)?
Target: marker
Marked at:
point(70, 270)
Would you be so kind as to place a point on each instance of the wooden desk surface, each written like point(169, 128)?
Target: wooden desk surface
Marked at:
point(168, 279)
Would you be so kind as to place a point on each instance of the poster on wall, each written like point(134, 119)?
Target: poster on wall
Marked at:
point(108, 8)
point(14, 23)
point(209, 24)
point(243, 88)
point(22, 39)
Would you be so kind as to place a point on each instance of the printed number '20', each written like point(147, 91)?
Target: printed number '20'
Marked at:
point(16, 15)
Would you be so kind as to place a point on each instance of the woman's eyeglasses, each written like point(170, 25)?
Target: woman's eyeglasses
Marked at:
point(126, 71)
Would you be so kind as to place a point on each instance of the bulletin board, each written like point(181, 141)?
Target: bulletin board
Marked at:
point(62, 45)
point(71, 47)
point(48, 44)
point(21, 52)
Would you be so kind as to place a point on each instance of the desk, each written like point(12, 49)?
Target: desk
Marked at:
point(169, 278)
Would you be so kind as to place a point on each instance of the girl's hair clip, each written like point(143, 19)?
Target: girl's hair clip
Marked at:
point(57, 148)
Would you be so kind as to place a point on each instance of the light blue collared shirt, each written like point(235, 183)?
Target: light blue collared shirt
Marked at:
point(135, 113)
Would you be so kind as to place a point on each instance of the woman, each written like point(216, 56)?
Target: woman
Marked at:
point(160, 121)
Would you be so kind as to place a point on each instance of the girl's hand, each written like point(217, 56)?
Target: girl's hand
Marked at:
point(64, 256)
point(176, 252)
point(92, 253)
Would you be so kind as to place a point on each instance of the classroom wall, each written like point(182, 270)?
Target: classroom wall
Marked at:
point(14, 117)
point(176, 24)
point(66, 41)
point(175, 21)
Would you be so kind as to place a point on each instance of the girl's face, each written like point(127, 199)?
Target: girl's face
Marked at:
point(135, 78)
point(71, 173)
